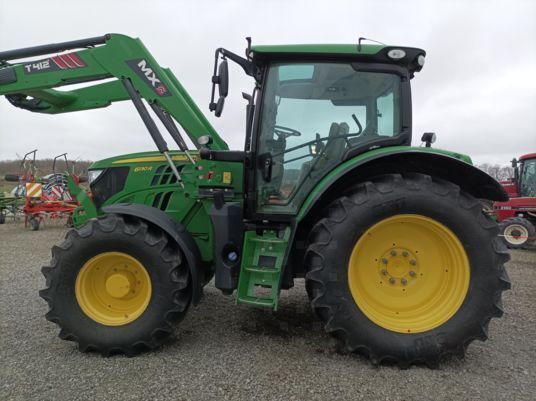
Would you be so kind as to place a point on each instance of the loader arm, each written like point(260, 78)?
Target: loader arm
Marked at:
point(32, 85)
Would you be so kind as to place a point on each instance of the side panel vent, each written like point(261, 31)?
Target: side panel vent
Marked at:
point(165, 201)
point(164, 176)
point(156, 201)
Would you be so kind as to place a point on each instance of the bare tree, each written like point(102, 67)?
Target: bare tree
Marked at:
point(500, 173)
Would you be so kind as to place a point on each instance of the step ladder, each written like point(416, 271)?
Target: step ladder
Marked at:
point(260, 271)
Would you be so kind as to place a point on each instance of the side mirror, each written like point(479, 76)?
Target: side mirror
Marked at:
point(223, 78)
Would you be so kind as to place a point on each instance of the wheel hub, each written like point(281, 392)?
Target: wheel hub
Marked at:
point(516, 234)
point(113, 288)
point(118, 285)
point(399, 265)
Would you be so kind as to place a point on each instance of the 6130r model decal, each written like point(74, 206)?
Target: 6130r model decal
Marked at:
point(61, 62)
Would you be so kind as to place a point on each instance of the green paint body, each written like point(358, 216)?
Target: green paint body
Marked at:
point(149, 180)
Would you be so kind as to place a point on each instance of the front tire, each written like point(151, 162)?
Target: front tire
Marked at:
point(116, 285)
point(517, 232)
point(406, 269)
point(34, 223)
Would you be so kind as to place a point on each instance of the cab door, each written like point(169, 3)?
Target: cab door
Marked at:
point(312, 114)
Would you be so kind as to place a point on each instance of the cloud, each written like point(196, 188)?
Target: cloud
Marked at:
point(477, 89)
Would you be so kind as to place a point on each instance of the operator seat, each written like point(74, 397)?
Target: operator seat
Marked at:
point(336, 143)
point(331, 154)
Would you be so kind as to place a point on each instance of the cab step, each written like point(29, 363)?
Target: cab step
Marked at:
point(260, 270)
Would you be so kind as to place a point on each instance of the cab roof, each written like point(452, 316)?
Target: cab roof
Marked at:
point(528, 156)
point(318, 49)
point(371, 53)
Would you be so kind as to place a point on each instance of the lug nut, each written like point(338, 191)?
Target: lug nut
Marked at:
point(393, 253)
point(384, 261)
point(392, 280)
point(405, 254)
point(412, 273)
point(384, 272)
point(413, 262)
point(404, 281)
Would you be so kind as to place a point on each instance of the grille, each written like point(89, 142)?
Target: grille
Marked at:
point(108, 184)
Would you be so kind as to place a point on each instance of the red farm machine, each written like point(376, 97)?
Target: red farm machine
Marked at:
point(517, 216)
point(44, 197)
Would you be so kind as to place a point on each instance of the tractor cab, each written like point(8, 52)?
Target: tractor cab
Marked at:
point(525, 175)
point(315, 106)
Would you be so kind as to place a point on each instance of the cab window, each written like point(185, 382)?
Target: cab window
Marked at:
point(312, 114)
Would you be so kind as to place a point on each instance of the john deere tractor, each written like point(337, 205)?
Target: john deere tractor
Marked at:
point(399, 260)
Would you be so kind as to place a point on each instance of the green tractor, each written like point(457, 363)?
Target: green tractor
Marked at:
point(400, 261)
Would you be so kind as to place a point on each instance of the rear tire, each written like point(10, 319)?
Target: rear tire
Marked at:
point(514, 232)
point(86, 283)
point(364, 314)
point(2, 217)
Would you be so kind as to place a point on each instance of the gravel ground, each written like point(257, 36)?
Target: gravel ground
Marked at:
point(222, 351)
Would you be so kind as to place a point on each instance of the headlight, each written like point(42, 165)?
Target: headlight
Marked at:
point(204, 140)
point(420, 60)
point(396, 54)
point(94, 174)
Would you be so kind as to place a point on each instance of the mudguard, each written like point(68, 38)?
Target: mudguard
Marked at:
point(175, 230)
point(449, 166)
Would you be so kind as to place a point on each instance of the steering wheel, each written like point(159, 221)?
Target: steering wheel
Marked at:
point(285, 132)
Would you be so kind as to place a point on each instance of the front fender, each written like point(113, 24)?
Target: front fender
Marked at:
point(175, 230)
point(449, 166)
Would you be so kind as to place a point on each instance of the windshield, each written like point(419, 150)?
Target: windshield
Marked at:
point(528, 178)
point(312, 114)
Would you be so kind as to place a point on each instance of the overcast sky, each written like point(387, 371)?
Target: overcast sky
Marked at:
point(477, 90)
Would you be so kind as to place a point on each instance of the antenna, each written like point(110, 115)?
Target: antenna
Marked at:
point(248, 50)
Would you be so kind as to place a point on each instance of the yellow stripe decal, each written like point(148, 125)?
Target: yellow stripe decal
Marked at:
point(153, 159)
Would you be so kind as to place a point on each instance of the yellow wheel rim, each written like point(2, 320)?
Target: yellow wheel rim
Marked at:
point(113, 288)
point(409, 273)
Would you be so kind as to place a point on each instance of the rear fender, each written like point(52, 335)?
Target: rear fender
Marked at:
point(428, 161)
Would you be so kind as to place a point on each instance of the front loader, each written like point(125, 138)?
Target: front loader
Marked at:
point(399, 260)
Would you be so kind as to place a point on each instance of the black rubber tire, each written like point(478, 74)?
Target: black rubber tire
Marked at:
point(167, 269)
point(333, 238)
point(12, 177)
point(531, 231)
point(34, 224)
point(2, 217)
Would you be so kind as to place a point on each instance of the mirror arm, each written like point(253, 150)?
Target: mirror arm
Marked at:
point(212, 105)
point(247, 66)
